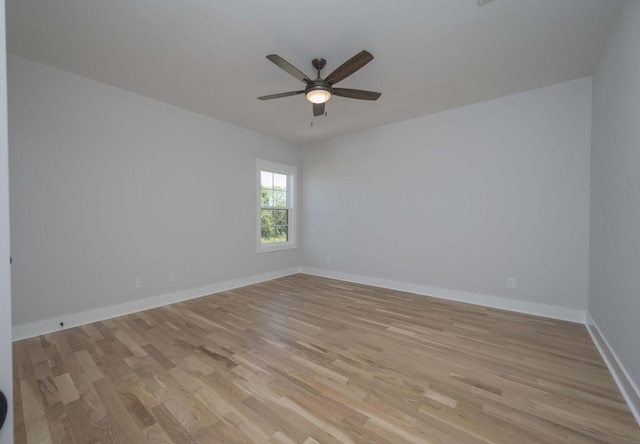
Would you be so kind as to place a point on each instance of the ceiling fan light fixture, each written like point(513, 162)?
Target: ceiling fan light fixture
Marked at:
point(319, 94)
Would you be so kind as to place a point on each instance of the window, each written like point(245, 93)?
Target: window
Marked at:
point(276, 206)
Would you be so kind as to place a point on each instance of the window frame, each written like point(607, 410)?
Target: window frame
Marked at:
point(291, 173)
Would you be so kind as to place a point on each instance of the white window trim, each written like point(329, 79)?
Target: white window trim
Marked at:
point(292, 175)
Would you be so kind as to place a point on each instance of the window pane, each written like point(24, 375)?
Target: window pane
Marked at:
point(279, 181)
point(267, 240)
point(281, 233)
point(266, 179)
point(266, 197)
point(280, 217)
point(266, 224)
point(279, 199)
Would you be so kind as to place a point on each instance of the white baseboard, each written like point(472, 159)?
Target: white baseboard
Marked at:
point(625, 383)
point(28, 330)
point(519, 306)
point(23, 331)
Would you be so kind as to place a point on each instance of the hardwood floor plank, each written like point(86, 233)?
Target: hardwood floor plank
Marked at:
point(35, 420)
point(19, 428)
point(66, 388)
point(91, 370)
point(127, 427)
point(309, 360)
point(82, 427)
point(170, 425)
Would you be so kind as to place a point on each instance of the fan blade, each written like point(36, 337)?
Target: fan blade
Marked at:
point(318, 109)
point(349, 67)
point(277, 96)
point(288, 67)
point(356, 93)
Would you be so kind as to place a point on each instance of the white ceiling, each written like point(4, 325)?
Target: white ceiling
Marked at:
point(208, 56)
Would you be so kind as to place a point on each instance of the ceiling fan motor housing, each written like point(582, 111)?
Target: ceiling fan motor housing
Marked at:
point(319, 64)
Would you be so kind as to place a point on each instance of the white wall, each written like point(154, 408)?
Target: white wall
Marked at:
point(6, 381)
point(614, 284)
point(108, 186)
point(461, 200)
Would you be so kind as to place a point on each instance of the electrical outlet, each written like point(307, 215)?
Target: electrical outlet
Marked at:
point(138, 283)
point(327, 259)
point(511, 282)
point(172, 278)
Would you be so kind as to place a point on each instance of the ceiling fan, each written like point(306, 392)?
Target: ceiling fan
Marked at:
point(320, 90)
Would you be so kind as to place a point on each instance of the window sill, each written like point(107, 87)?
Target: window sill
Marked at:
point(276, 247)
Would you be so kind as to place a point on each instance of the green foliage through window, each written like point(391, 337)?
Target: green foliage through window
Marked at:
point(274, 213)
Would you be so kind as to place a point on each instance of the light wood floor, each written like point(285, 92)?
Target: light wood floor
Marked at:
point(309, 360)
